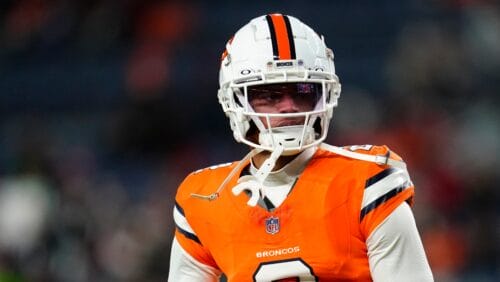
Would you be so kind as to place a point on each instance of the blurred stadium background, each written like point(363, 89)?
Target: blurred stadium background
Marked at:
point(106, 105)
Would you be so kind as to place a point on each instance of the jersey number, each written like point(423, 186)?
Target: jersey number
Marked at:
point(360, 147)
point(283, 269)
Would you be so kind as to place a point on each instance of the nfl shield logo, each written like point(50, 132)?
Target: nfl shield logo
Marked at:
point(272, 225)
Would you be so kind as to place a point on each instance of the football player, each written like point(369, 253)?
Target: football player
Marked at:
point(294, 208)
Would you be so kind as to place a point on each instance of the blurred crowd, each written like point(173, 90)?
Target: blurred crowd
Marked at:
point(105, 106)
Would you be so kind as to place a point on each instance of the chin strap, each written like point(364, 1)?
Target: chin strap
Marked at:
point(269, 164)
point(378, 159)
point(255, 184)
point(237, 168)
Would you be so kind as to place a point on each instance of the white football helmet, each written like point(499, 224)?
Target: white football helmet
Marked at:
point(277, 49)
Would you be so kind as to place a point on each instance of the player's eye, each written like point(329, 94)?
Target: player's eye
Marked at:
point(264, 95)
point(272, 93)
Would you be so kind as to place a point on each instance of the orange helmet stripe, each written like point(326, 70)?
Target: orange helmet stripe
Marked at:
point(281, 37)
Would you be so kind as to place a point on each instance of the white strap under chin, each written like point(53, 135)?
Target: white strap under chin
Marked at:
point(269, 164)
point(231, 174)
point(378, 159)
point(251, 185)
point(255, 184)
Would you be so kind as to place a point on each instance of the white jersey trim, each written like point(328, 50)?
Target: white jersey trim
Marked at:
point(181, 221)
point(185, 268)
point(397, 178)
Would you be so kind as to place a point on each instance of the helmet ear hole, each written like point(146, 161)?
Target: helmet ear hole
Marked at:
point(317, 126)
point(328, 94)
point(237, 100)
point(237, 93)
point(253, 132)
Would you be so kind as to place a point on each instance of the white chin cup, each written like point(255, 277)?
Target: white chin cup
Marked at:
point(293, 138)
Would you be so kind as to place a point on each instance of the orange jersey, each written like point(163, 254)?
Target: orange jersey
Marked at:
point(317, 233)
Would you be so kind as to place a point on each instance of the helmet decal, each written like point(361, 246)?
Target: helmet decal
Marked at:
point(225, 53)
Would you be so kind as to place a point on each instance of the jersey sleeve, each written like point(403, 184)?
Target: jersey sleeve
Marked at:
point(395, 250)
point(385, 189)
point(183, 267)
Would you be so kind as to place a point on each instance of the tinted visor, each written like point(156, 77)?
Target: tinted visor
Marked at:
point(270, 94)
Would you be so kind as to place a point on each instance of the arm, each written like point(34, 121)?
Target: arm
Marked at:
point(184, 268)
point(395, 250)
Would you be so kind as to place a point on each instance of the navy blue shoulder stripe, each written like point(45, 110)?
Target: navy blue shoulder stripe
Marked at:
point(274, 41)
point(377, 177)
point(188, 235)
point(382, 199)
point(179, 208)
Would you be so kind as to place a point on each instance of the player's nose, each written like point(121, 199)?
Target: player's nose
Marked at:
point(287, 104)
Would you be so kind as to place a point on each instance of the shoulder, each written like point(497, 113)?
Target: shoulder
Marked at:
point(374, 150)
point(359, 160)
point(194, 204)
point(383, 182)
point(370, 165)
point(204, 180)
point(378, 175)
point(363, 154)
